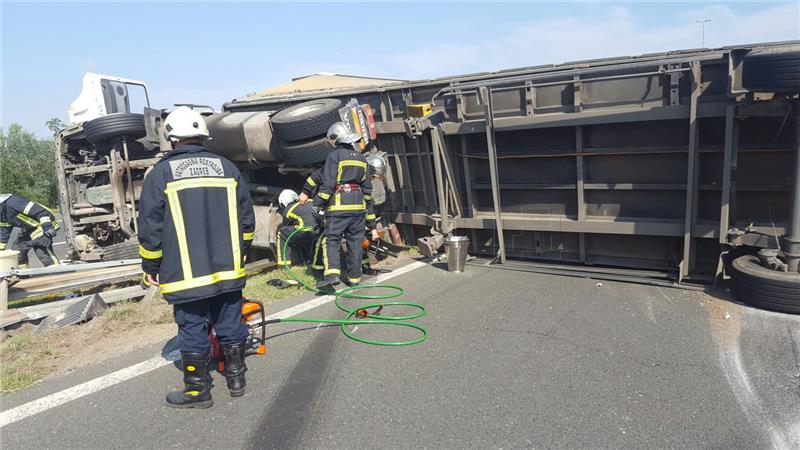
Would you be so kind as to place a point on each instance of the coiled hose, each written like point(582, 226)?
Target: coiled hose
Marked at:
point(360, 315)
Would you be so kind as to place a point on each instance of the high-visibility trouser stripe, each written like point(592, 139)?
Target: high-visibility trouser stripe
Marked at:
point(320, 243)
point(311, 181)
point(5, 224)
point(248, 236)
point(53, 256)
point(279, 251)
point(365, 260)
point(348, 163)
point(324, 196)
point(328, 269)
point(205, 280)
point(28, 208)
point(150, 254)
point(371, 217)
point(354, 280)
point(2, 245)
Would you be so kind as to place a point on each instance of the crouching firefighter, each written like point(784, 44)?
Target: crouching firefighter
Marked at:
point(345, 196)
point(37, 228)
point(296, 216)
point(196, 224)
point(310, 188)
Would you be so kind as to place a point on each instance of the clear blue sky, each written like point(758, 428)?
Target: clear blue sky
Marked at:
point(213, 52)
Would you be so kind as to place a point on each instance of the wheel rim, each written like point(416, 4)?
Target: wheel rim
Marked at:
point(305, 110)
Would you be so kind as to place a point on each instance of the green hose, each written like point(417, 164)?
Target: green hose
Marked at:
point(363, 310)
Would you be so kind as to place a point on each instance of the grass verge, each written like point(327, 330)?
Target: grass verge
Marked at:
point(26, 358)
point(258, 289)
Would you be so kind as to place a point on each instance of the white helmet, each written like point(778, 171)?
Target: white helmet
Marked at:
point(287, 197)
point(4, 197)
point(339, 134)
point(184, 123)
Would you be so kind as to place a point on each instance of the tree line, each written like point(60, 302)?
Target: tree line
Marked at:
point(27, 163)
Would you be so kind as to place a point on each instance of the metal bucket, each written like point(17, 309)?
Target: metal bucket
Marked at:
point(456, 249)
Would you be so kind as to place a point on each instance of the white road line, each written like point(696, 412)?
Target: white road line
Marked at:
point(67, 395)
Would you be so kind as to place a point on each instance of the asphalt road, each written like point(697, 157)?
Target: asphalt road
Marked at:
point(513, 360)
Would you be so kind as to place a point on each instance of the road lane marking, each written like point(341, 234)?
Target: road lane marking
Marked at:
point(67, 395)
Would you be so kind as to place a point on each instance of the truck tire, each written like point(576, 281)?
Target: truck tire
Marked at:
point(772, 72)
point(115, 126)
point(765, 288)
point(123, 250)
point(306, 152)
point(306, 120)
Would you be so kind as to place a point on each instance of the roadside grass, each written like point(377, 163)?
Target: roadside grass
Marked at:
point(411, 252)
point(258, 289)
point(26, 358)
point(18, 355)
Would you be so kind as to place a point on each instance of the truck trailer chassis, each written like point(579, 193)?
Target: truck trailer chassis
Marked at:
point(672, 162)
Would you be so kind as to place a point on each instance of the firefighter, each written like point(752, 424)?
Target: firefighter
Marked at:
point(196, 224)
point(37, 228)
point(345, 196)
point(296, 216)
point(310, 189)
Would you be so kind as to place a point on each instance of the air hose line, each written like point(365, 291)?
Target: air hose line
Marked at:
point(361, 315)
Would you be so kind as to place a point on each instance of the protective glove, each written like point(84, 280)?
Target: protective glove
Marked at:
point(148, 280)
point(50, 232)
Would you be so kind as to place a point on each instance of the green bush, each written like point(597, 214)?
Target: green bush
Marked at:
point(27, 164)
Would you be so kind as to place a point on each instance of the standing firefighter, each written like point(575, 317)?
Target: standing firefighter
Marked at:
point(345, 196)
point(37, 228)
point(196, 224)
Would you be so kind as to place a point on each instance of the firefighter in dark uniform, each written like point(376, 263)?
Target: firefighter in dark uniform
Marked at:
point(37, 228)
point(345, 197)
point(310, 189)
point(196, 224)
point(296, 216)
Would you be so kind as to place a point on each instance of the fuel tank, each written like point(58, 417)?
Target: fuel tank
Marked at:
point(243, 137)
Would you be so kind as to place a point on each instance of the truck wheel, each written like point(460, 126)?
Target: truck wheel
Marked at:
point(772, 72)
point(114, 126)
point(765, 288)
point(306, 120)
point(305, 152)
point(123, 250)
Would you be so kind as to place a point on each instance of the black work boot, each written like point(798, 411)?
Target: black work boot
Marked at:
point(235, 367)
point(197, 380)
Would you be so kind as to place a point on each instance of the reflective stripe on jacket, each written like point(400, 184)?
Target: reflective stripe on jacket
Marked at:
point(313, 183)
point(196, 223)
point(345, 166)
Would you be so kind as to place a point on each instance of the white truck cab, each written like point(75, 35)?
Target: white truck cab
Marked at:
point(104, 94)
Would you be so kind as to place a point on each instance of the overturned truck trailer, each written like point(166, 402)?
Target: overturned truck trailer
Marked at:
point(681, 163)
